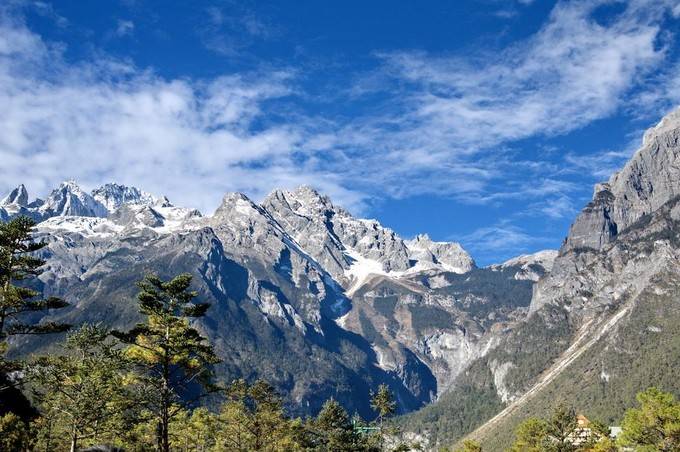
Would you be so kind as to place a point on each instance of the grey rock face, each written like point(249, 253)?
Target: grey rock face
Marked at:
point(18, 197)
point(647, 182)
point(531, 266)
point(447, 255)
point(331, 235)
point(650, 179)
point(112, 196)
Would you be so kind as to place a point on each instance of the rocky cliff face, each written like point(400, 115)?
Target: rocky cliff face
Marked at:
point(649, 180)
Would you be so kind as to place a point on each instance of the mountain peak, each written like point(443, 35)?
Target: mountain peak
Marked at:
point(113, 195)
point(647, 181)
point(305, 200)
point(449, 256)
point(18, 196)
point(669, 122)
point(70, 200)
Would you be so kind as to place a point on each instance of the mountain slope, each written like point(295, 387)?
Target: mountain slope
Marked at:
point(602, 323)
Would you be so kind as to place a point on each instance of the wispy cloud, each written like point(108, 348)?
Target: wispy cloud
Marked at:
point(573, 71)
point(229, 29)
point(124, 28)
point(500, 242)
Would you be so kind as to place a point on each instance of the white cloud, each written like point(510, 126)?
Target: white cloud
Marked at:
point(106, 120)
point(124, 28)
point(573, 71)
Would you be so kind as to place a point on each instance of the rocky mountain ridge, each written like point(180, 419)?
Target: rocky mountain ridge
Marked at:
point(295, 281)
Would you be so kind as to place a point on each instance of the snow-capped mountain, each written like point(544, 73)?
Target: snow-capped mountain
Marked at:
point(112, 196)
point(295, 265)
point(353, 249)
point(108, 208)
point(17, 197)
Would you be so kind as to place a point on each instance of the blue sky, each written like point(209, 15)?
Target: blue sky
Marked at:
point(485, 122)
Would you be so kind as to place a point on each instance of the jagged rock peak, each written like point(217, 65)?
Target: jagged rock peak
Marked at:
point(330, 234)
point(237, 204)
point(113, 195)
point(449, 256)
point(649, 179)
point(18, 196)
point(304, 200)
point(70, 200)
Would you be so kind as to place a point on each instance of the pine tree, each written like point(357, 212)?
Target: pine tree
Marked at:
point(334, 430)
point(383, 403)
point(530, 436)
point(559, 428)
point(18, 264)
point(14, 434)
point(82, 394)
point(655, 425)
point(253, 419)
point(172, 359)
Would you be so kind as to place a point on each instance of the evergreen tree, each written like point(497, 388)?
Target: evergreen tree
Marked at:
point(18, 264)
point(201, 430)
point(383, 403)
point(559, 428)
point(655, 425)
point(173, 361)
point(530, 436)
point(235, 419)
point(334, 430)
point(14, 434)
point(82, 395)
point(253, 419)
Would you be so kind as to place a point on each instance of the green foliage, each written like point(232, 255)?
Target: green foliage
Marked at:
point(459, 410)
point(253, 419)
point(654, 425)
point(530, 435)
point(559, 427)
point(383, 402)
point(470, 446)
point(82, 395)
point(173, 363)
point(333, 431)
point(14, 434)
point(18, 265)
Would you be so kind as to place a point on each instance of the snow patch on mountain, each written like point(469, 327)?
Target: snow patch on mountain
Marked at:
point(532, 266)
point(85, 226)
point(445, 256)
